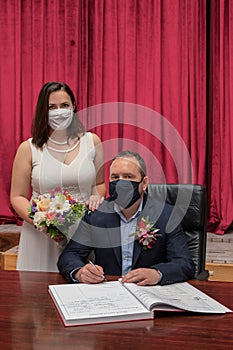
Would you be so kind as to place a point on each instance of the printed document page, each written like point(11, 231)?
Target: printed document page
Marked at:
point(86, 301)
point(179, 295)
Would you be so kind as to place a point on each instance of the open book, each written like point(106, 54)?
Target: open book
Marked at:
point(80, 304)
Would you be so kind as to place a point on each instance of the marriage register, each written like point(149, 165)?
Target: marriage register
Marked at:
point(80, 304)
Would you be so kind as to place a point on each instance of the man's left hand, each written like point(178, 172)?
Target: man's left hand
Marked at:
point(142, 277)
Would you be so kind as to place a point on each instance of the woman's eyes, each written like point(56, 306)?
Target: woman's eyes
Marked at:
point(65, 105)
point(62, 105)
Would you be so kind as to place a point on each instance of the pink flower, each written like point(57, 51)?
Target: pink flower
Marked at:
point(61, 219)
point(50, 216)
point(146, 233)
point(141, 224)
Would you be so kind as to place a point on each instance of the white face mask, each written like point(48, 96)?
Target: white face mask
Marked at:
point(60, 119)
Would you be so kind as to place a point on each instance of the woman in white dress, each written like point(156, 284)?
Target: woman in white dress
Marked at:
point(59, 154)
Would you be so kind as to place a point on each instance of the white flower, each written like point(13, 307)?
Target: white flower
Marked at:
point(59, 204)
point(39, 217)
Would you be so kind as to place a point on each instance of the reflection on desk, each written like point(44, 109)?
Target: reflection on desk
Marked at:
point(29, 320)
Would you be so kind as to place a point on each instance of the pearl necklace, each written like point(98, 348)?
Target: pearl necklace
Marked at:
point(57, 142)
point(64, 150)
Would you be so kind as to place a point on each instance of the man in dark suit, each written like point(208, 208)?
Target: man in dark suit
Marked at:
point(128, 234)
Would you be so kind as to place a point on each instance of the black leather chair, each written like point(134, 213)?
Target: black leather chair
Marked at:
point(190, 207)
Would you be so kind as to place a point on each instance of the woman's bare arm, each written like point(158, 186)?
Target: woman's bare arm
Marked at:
point(21, 180)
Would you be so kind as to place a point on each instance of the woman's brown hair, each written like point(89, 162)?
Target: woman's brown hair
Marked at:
point(40, 128)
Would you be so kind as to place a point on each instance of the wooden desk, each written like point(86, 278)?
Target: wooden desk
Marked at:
point(29, 320)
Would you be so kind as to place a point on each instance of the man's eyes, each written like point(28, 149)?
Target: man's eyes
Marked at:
point(123, 177)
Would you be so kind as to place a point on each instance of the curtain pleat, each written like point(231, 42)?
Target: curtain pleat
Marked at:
point(220, 164)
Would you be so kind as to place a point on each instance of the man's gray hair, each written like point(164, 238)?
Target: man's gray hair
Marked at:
point(131, 154)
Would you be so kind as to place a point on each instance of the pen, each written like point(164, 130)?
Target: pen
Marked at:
point(90, 262)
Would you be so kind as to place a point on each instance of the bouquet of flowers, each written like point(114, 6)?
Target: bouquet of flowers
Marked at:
point(146, 233)
point(55, 211)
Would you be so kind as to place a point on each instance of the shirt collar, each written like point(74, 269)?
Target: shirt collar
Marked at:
point(117, 209)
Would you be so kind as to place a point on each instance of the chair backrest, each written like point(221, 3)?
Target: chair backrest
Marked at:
point(190, 205)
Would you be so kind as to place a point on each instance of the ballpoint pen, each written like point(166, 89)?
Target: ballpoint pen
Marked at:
point(90, 262)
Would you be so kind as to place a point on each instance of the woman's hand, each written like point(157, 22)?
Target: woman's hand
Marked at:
point(60, 240)
point(94, 201)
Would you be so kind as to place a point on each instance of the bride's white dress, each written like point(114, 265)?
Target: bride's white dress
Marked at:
point(37, 251)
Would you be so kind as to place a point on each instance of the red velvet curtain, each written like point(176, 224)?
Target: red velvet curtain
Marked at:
point(149, 53)
point(220, 161)
point(137, 67)
point(40, 42)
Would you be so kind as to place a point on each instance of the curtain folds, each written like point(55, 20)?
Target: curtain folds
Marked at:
point(138, 69)
point(220, 166)
point(151, 54)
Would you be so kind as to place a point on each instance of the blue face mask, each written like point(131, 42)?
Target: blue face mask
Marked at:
point(123, 192)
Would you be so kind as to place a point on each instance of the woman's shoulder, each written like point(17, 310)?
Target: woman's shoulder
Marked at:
point(91, 138)
point(28, 147)
point(25, 146)
point(96, 138)
point(24, 151)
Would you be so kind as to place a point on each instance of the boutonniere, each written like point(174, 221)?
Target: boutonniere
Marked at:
point(146, 233)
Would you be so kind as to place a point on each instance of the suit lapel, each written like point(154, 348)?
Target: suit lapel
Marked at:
point(147, 211)
point(114, 236)
point(136, 252)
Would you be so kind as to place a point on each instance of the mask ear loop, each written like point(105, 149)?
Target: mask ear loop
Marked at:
point(142, 179)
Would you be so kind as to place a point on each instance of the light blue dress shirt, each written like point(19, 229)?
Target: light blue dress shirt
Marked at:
point(127, 241)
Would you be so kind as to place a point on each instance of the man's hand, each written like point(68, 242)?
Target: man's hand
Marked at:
point(142, 277)
point(90, 274)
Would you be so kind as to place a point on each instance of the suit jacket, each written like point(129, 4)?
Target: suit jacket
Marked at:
point(100, 232)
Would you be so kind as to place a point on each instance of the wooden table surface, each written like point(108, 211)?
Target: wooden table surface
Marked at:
point(29, 320)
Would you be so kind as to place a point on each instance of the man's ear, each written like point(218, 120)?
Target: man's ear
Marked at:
point(145, 182)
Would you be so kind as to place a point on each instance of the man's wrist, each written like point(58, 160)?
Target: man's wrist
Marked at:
point(73, 275)
point(160, 276)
